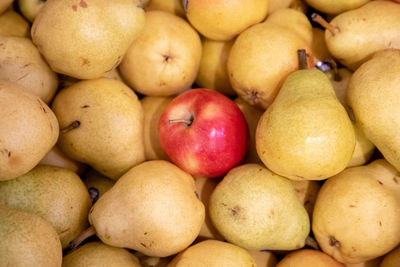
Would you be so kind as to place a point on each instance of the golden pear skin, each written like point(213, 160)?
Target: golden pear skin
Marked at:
point(13, 24)
point(256, 209)
point(373, 94)
point(308, 258)
point(27, 239)
point(72, 34)
point(100, 255)
point(213, 253)
point(306, 133)
point(336, 6)
point(56, 194)
point(101, 123)
point(262, 57)
point(152, 209)
point(367, 29)
point(29, 129)
point(356, 216)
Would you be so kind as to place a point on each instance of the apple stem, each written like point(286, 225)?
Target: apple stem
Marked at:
point(73, 245)
point(187, 122)
point(302, 57)
point(73, 125)
point(321, 21)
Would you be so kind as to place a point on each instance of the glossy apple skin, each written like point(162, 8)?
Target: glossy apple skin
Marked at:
point(216, 139)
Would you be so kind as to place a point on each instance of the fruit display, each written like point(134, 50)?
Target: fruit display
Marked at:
point(200, 133)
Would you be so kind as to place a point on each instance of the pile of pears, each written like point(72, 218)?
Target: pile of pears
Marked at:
point(84, 180)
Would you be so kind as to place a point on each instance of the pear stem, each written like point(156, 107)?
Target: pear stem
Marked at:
point(73, 125)
point(302, 57)
point(321, 21)
point(336, 75)
point(312, 243)
point(84, 235)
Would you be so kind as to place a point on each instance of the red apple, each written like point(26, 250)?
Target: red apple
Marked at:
point(203, 132)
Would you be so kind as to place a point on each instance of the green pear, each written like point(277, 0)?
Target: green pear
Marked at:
point(100, 255)
point(307, 258)
point(213, 253)
point(13, 24)
point(256, 209)
point(84, 39)
point(306, 133)
point(152, 209)
point(367, 29)
point(391, 259)
point(56, 194)
point(263, 55)
point(29, 129)
point(27, 239)
point(336, 6)
point(356, 215)
point(372, 94)
point(164, 59)
point(101, 123)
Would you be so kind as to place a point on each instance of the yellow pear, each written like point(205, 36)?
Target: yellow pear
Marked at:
point(55, 157)
point(56, 194)
point(372, 94)
point(150, 261)
point(21, 63)
point(165, 58)
point(100, 255)
point(222, 20)
point(307, 192)
point(263, 258)
point(274, 5)
point(319, 48)
point(172, 6)
point(72, 34)
point(263, 55)
point(213, 253)
point(97, 184)
point(30, 8)
point(356, 215)
point(367, 29)
point(101, 123)
point(153, 107)
point(306, 133)
point(13, 24)
point(26, 239)
point(308, 258)
point(29, 129)
point(392, 259)
point(256, 209)
point(213, 73)
point(336, 6)
point(152, 209)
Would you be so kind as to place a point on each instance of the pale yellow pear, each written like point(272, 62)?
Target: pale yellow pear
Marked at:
point(392, 259)
point(152, 209)
point(13, 24)
point(356, 215)
point(84, 39)
point(153, 107)
point(366, 30)
point(223, 20)
point(274, 5)
point(308, 258)
point(256, 209)
point(29, 129)
point(213, 253)
point(100, 255)
point(263, 258)
point(26, 239)
point(21, 63)
point(261, 58)
point(306, 133)
point(252, 115)
point(101, 123)
point(335, 6)
point(56, 194)
point(373, 95)
point(213, 73)
point(151, 261)
point(172, 6)
point(164, 59)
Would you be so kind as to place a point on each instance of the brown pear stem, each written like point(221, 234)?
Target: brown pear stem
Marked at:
point(312, 243)
point(83, 236)
point(302, 57)
point(73, 125)
point(321, 21)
